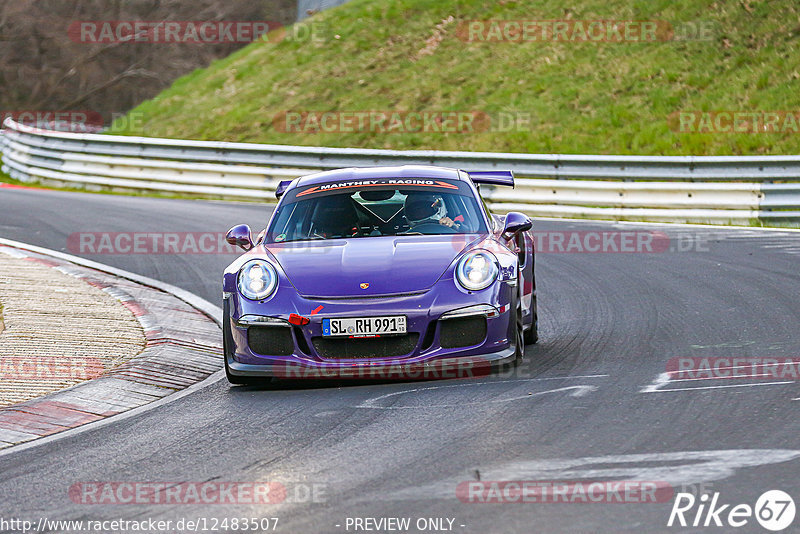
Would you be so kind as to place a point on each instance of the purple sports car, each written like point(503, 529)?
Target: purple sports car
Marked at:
point(365, 270)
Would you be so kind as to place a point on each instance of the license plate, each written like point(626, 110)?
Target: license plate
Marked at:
point(364, 326)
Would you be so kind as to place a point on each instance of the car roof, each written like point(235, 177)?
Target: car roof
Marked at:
point(366, 173)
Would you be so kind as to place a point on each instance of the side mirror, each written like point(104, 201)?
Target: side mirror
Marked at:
point(240, 236)
point(515, 223)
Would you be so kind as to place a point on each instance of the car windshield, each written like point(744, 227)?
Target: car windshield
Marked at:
point(375, 209)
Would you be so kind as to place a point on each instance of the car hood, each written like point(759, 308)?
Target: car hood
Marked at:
point(392, 264)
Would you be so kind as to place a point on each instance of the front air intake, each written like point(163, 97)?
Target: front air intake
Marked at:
point(365, 348)
point(462, 331)
point(270, 340)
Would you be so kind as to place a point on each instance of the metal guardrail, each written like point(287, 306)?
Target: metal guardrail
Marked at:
point(708, 189)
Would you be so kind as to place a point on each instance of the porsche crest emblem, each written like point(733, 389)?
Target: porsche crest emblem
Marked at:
point(364, 285)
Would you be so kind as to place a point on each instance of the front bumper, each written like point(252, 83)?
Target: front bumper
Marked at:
point(442, 368)
point(426, 357)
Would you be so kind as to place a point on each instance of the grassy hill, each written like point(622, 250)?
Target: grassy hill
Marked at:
point(581, 97)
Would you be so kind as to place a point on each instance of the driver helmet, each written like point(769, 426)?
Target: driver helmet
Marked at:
point(421, 208)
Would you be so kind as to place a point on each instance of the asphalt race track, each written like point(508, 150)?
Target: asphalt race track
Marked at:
point(590, 402)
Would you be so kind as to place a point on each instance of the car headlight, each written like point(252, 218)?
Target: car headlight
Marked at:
point(257, 279)
point(477, 270)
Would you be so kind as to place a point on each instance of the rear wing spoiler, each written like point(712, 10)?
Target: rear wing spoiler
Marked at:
point(493, 177)
point(477, 177)
point(282, 187)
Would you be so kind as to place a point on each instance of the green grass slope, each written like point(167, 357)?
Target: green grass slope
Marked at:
point(581, 97)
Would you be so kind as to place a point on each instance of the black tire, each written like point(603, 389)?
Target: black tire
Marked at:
point(519, 342)
point(519, 345)
point(532, 333)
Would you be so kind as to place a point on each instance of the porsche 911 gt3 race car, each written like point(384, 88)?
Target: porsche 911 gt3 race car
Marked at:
point(364, 272)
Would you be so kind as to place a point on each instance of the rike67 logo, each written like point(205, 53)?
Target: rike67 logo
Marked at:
point(774, 510)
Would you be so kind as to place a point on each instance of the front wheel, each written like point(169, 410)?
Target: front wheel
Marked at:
point(519, 341)
point(532, 334)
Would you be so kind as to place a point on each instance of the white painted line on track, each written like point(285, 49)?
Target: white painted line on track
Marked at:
point(664, 379)
point(678, 469)
point(715, 377)
point(661, 380)
point(578, 391)
point(720, 387)
point(552, 378)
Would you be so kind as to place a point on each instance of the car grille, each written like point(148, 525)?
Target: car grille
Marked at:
point(368, 347)
point(270, 340)
point(462, 331)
